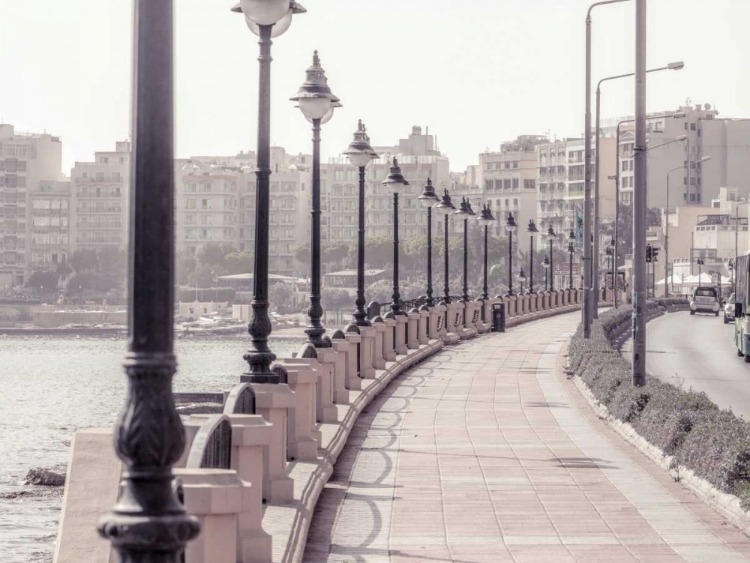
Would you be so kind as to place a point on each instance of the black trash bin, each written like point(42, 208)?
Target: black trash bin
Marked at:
point(498, 317)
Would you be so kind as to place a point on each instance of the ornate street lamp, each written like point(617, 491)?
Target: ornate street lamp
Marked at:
point(396, 182)
point(571, 250)
point(533, 232)
point(510, 227)
point(149, 523)
point(316, 102)
point(266, 19)
point(464, 212)
point(446, 207)
point(546, 265)
point(360, 153)
point(521, 278)
point(485, 219)
point(428, 199)
point(551, 237)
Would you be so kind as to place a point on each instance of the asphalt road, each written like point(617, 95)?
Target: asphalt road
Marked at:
point(698, 351)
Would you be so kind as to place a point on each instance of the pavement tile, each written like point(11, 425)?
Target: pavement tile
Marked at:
point(486, 452)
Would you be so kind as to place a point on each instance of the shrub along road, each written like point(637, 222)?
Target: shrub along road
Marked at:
point(698, 352)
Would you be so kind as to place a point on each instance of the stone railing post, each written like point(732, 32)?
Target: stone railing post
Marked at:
point(303, 437)
point(346, 363)
point(424, 325)
point(250, 434)
point(389, 343)
point(379, 356)
point(216, 497)
point(353, 381)
point(367, 353)
point(412, 330)
point(330, 357)
point(272, 402)
point(401, 322)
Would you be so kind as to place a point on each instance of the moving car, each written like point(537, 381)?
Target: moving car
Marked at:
point(705, 300)
point(729, 310)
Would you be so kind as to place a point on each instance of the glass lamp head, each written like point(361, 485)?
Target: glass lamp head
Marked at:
point(531, 229)
point(314, 96)
point(360, 152)
point(265, 12)
point(551, 235)
point(445, 206)
point(510, 224)
point(545, 263)
point(395, 181)
point(463, 210)
point(428, 199)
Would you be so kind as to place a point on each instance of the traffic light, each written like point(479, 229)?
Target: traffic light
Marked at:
point(649, 253)
point(655, 254)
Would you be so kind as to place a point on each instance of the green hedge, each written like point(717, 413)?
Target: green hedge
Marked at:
point(713, 443)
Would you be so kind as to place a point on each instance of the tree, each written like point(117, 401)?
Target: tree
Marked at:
point(281, 297)
point(43, 281)
point(213, 255)
point(185, 265)
point(239, 262)
point(112, 267)
point(302, 253)
point(379, 291)
point(378, 253)
point(84, 260)
point(203, 276)
point(653, 217)
point(335, 300)
point(79, 282)
point(63, 270)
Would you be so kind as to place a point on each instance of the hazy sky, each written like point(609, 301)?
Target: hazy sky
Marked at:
point(477, 72)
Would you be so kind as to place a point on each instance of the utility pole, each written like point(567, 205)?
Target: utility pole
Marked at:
point(639, 200)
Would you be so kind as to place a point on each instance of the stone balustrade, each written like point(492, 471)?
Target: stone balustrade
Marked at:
point(285, 438)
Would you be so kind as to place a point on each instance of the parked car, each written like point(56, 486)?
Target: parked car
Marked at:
point(705, 300)
point(729, 310)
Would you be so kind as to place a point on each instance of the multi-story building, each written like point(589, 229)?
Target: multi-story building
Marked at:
point(50, 219)
point(206, 205)
point(509, 182)
point(26, 160)
point(419, 161)
point(561, 183)
point(216, 204)
point(100, 200)
point(725, 140)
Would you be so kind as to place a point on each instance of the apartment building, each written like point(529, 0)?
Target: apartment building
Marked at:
point(50, 215)
point(26, 160)
point(725, 140)
point(100, 200)
point(561, 183)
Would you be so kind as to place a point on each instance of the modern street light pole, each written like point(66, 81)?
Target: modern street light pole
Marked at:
point(571, 250)
point(666, 224)
point(510, 227)
point(640, 200)
point(148, 522)
point(316, 101)
point(396, 182)
point(597, 226)
point(533, 232)
point(429, 200)
point(446, 207)
point(266, 20)
point(551, 237)
point(730, 267)
point(360, 153)
point(586, 307)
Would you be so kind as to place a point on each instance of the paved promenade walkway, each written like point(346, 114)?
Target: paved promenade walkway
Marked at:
point(486, 453)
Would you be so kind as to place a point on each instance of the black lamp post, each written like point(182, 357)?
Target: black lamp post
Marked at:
point(317, 102)
point(485, 219)
point(266, 20)
point(360, 154)
point(149, 523)
point(533, 232)
point(551, 236)
point(571, 250)
point(608, 252)
point(521, 278)
point(428, 199)
point(730, 267)
point(396, 182)
point(546, 265)
point(510, 227)
point(446, 207)
point(464, 212)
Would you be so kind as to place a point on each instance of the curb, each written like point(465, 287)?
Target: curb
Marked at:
point(726, 504)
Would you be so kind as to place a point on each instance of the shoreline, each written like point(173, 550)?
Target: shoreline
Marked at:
point(285, 333)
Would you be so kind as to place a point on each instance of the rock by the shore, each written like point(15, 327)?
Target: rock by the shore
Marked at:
point(44, 478)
